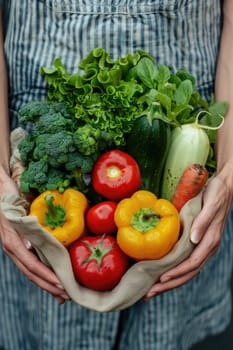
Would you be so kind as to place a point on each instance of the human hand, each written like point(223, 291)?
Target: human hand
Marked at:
point(206, 233)
point(18, 249)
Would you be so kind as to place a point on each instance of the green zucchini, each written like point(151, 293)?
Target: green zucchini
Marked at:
point(148, 144)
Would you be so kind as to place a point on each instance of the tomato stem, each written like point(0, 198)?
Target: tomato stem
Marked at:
point(97, 253)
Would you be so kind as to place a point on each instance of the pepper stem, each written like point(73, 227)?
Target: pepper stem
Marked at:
point(145, 219)
point(56, 214)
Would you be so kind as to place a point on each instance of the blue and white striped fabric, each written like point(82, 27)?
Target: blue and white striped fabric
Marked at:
point(179, 33)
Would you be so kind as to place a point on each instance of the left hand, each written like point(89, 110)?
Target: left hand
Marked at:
point(206, 233)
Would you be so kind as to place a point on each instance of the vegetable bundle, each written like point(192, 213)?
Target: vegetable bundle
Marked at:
point(129, 103)
point(133, 142)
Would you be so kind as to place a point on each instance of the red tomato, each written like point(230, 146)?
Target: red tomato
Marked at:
point(98, 262)
point(100, 218)
point(116, 175)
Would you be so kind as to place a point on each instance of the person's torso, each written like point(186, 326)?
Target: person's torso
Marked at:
point(178, 33)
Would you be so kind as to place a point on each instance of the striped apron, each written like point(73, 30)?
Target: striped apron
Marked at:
point(178, 33)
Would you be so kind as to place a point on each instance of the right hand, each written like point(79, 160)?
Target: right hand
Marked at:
point(17, 248)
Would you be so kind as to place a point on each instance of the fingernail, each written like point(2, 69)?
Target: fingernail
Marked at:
point(148, 296)
point(194, 237)
point(60, 286)
point(65, 296)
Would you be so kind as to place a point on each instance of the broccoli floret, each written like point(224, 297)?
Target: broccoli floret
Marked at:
point(39, 151)
point(89, 140)
point(60, 107)
point(25, 148)
point(39, 176)
point(35, 176)
point(53, 123)
point(77, 160)
point(79, 166)
point(86, 139)
point(57, 179)
point(31, 111)
point(58, 146)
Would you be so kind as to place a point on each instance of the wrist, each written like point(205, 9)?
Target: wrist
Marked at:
point(226, 175)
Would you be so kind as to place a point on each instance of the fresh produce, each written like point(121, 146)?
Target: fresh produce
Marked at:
point(58, 152)
point(93, 111)
point(190, 184)
point(107, 152)
point(110, 94)
point(62, 215)
point(101, 95)
point(148, 227)
point(148, 143)
point(100, 218)
point(97, 261)
point(189, 144)
point(115, 175)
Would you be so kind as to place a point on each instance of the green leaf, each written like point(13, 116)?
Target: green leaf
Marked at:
point(218, 108)
point(47, 71)
point(183, 74)
point(165, 102)
point(146, 72)
point(183, 92)
point(163, 74)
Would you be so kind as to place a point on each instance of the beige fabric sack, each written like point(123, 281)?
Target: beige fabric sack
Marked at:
point(133, 285)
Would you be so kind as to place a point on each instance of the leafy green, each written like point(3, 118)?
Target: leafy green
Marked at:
point(110, 94)
point(102, 96)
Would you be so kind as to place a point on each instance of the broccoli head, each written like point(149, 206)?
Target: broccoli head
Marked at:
point(35, 176)
point(31, 111)
point(52, 123)
point(85, 139)
point(76, 160)
point(58, 146)
point(26, 147)
point(57, 180)
point(40, 177)
point(39, 151)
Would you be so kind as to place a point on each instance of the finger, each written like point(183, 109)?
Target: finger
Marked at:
point(15, 248)
point(159, 288)
point(28, 263)
point(216, 206)
point(60, 300)
point(202, 252)
point(44, 277)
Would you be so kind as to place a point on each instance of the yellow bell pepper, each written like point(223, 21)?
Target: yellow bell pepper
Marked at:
point(148, 227)
point(61, 214)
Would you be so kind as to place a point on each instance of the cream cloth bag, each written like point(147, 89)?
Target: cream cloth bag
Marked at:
point(133, 285)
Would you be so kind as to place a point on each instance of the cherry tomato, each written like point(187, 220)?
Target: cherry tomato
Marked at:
point(98, 262)
point(100, 218)
point(116, 175)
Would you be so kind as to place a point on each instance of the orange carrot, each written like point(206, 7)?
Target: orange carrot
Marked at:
point(190, 184)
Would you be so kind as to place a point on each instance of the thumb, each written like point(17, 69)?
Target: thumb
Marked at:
point(199, 226)
point(216, 205)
